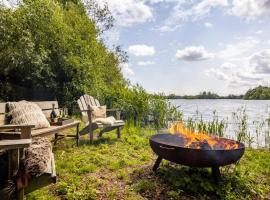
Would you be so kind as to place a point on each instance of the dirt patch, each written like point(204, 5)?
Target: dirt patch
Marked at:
point(109, 186)
point(150, 186)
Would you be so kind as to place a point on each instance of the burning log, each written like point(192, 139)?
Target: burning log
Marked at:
point(201, 140)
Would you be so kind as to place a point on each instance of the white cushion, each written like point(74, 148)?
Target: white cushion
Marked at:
point(27, 113)
point(106, 121)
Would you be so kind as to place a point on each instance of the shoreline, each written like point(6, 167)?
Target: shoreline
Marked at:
point(217, 99)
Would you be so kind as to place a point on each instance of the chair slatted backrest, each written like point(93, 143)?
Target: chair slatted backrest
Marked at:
point(83, 103)
point(46, 107)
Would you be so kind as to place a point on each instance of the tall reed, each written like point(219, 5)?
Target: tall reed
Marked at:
point(253, 134)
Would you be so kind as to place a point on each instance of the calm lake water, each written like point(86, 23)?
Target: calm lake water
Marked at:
point(257, 111)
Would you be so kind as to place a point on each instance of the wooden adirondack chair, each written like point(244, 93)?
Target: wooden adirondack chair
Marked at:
point(85, 102)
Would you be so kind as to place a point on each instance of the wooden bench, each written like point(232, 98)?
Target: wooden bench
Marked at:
point(14, 138)
point(55, 130)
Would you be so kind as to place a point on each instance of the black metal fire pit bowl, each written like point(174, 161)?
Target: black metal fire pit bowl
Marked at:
point(171, 147)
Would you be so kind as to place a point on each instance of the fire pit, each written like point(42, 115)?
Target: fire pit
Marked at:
point(196, 150)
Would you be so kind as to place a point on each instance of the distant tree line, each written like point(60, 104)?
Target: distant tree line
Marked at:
point(257, 93)
point(204, 95)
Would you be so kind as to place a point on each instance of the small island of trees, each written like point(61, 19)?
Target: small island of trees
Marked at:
point(260, 92)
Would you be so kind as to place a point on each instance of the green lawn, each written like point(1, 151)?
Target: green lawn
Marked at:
point(121, 169)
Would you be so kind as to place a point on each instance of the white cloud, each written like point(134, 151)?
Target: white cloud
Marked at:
point(250, 9)
point(192, 10)
point(111, 36)
point(205, 6)
point(253, 71)
point(166, 28)
point(128, 12)
point(208, 24)
point(193, 53)
point(259, 32)
point(189, 10)
point(217, 73)
point(261, 61)
point(238, 49)
point(161, 1)
point(238, 77)
point(248, 76)
point(145, 63)
point(228, 66)
point(141, 50)
point(9, 3)
point(127, 71)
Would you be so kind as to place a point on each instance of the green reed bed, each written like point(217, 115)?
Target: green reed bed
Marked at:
point(241, 128)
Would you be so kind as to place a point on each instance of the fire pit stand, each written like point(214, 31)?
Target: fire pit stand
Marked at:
point(172, 148)
point(215, 170)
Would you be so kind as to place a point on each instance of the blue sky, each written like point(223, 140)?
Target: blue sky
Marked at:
point(187, 46)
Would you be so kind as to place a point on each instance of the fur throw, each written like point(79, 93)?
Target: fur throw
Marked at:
point(38, 157)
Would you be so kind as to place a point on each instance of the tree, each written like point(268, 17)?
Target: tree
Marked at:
point(53, 47)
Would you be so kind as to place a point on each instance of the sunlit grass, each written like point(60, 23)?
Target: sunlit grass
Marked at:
point(121, 169)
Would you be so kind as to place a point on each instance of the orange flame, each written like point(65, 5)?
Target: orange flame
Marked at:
point(198, 140)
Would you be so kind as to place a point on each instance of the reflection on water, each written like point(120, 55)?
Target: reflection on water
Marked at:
point(258, 111)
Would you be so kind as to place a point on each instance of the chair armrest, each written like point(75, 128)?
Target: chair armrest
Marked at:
point(11, 126)
point(14, 144)
point(107, 110)
point(86, 110)
point(113, 109)
point(117, 112)
point(25, 131)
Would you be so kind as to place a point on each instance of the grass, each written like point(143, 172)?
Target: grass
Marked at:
point(121, 169)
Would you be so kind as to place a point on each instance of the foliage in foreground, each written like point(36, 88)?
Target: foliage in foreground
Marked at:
point(121, 169)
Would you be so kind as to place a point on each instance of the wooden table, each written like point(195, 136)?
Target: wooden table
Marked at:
point(15, 150)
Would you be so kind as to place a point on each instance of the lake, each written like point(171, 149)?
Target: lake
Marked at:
point(258, 111)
